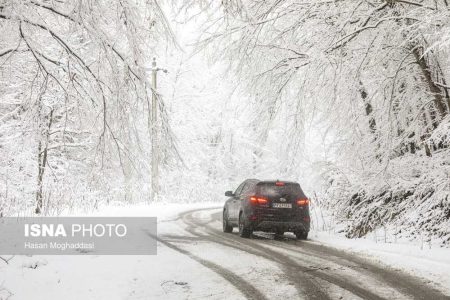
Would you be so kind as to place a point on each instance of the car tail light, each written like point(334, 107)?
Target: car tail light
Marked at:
point(258, 200)
point(302, 202)
point(278, 183)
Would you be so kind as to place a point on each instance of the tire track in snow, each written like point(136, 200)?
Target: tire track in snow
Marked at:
point(405, 284)
point(293, 269)
point(305, 284)
point(248, 290)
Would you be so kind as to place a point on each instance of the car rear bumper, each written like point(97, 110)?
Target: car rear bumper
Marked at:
point(281, 225)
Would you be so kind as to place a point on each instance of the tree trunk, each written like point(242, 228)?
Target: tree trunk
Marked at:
point(42, 162)
point(438, 101)
point(368, 108)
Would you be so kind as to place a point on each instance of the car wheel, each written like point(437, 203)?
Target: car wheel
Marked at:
point(244, 231)
point(226, 226)
point(301, 235)
point(279, 232)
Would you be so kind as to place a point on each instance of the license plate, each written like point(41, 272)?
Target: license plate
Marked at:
point(282, 205)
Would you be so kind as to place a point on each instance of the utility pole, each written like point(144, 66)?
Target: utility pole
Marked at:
point(154, 131)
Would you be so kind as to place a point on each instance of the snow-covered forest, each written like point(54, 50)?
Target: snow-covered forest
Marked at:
point(349, 98)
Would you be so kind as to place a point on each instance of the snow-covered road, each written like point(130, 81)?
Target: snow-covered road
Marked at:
point(265, 268)
point(196, 260)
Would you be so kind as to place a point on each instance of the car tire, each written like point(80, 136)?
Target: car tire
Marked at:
point(301, 235)
point(226, 226)
point(279, 232)
point(279, 235)
point(244, 231)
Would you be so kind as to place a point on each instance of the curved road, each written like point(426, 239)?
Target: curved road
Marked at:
point(304, 269)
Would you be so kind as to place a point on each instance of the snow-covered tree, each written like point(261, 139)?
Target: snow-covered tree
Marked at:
point(372, 75)
point(74, 95)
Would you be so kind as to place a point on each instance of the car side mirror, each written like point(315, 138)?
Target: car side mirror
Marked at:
point(229, 194)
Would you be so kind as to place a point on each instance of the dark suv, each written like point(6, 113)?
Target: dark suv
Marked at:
point(271, 206)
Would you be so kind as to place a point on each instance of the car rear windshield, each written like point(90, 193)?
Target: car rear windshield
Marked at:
point(274, 190)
